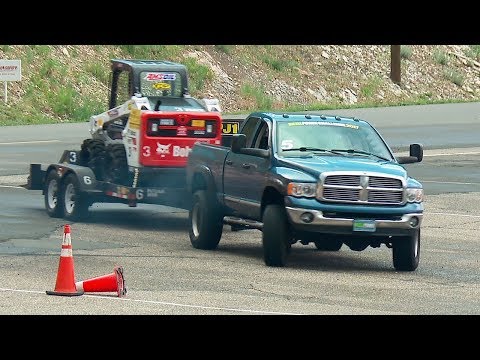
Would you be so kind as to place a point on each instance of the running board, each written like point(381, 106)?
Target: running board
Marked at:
point(248, 224)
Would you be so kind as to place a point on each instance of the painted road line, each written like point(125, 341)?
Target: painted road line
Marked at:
point(448, 182)
point(452, 154)
point(30, 142)
point(447, 214)
point(12, 187)
point(165, 303)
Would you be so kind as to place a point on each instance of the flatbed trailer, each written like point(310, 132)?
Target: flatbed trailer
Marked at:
point(69, 188)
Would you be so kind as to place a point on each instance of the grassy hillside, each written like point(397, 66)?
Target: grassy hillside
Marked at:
point(69, 83)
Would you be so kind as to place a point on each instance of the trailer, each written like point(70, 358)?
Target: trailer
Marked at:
point(70, 188)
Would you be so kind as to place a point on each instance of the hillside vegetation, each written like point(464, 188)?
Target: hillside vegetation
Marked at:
point(69, 83)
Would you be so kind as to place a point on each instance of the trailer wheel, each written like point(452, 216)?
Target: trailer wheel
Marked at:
point(206, 222)
point(75, 203)
point(51, 192)
point(116, 166)
point(276, 235)
point(93, 155)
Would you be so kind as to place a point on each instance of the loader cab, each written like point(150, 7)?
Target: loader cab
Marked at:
point(162, 82)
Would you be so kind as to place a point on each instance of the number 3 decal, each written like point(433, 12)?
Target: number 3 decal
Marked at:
point(146, 151)
point(73, 157)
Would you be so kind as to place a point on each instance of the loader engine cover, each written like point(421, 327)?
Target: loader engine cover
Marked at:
point(165, 139)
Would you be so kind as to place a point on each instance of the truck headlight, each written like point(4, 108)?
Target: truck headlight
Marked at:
point(302, 189)
point(415, 195)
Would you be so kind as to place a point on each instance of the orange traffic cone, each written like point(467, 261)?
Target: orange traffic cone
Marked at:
point(65, 285)
point(114, 282)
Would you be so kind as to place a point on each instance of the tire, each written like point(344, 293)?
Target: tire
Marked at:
point(93, 155)
point(406, 252)
point(206, 222)
point(329, 244)
point(51, 192)
point(116, 166)
point(276, 235)
point(74, 203)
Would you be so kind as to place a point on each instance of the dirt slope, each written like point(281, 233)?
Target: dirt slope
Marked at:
point(69, 82)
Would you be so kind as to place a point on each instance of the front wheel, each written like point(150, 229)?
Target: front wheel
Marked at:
point(206, 222)
point(52, 192)
point(276, 235)
point(93, 156)
point(75, 203)
point(116, 167)
point(406, 252)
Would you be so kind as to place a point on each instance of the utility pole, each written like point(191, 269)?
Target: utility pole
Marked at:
point(395, 71)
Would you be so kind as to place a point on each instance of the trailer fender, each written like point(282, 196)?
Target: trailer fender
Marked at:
point(85, 175)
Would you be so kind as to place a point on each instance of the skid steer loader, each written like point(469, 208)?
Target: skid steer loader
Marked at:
point(151, 126)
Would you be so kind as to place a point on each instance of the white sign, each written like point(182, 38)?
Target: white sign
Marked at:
point(10, 70)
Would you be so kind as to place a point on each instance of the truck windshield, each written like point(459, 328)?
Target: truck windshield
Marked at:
point(295, 138)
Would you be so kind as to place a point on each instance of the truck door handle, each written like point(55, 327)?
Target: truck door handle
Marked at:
point(246, 166)
point(229, 162)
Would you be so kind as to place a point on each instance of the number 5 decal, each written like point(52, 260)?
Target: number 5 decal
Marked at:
point(287, 144)
point(146, 151)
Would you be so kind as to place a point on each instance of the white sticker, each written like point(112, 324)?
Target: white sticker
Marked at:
point(160, 76)
point(287, 144)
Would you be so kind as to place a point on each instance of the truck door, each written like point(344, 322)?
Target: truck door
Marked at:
point(244, 174)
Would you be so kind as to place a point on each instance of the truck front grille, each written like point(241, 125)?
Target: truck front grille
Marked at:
point(361, 188)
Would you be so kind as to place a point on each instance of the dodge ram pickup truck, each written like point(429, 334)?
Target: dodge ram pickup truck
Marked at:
point(329, 180)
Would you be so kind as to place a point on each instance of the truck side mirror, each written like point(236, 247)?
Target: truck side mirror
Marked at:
point(416, 155)
point(416, 150)
point(239, 141)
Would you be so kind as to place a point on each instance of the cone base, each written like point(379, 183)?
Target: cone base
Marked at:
point(59, 293)
point(121, 288)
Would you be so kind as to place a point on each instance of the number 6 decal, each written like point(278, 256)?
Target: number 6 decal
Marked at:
point(87, 180)
point(139, 194)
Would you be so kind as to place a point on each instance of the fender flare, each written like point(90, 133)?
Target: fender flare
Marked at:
point(207, 176)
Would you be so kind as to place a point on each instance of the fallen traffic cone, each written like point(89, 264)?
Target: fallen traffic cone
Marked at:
point(65, 285)
point(114, 282)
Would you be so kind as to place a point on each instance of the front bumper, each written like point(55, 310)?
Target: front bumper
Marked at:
point(339, 225)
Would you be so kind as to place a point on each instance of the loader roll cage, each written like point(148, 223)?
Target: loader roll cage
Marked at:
point(134, 68)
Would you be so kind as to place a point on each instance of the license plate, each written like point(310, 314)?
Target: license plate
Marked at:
point(364, 225)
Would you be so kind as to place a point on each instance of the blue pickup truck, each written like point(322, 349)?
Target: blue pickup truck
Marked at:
point(329, 180)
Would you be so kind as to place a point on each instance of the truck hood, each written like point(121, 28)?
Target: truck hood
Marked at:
point(315, 165)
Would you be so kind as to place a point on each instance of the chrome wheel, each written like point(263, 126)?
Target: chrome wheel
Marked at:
point(52, 194)
point(69, 198)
